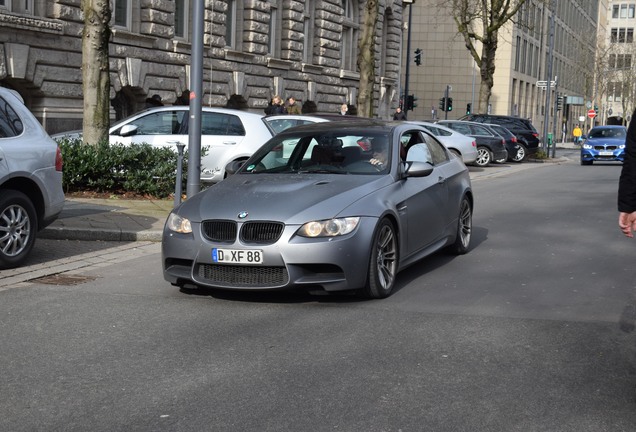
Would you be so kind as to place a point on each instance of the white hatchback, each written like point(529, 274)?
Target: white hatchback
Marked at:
point(227, 135)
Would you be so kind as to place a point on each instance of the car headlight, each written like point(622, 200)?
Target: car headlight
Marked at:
point(179, 224)
point(587, 146)
point(329, 228)
point(621, 147)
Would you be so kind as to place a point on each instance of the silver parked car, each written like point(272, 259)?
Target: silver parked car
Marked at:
point(350, 206)
point(462, 145)
point(31, 195)
point(226, 134)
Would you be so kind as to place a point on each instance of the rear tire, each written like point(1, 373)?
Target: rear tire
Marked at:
point(383, 261)
point(18, 227)
point(521, 154)
point(484, 156)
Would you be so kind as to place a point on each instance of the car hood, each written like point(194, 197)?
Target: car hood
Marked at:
point(607, 141)
point(293, 199)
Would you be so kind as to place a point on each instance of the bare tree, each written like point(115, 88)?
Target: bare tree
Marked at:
point(366, 59)
point(95, 70)
point(479, 22)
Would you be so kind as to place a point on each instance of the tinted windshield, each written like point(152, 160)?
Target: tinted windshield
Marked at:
point(323, 152)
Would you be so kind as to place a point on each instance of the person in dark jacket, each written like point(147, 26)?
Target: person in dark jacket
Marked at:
point(627, 183)
point(276, 106)
point(399, 114)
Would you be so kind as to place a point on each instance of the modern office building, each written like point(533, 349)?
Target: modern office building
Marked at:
point(617, 73)
point(522, 62)
point(253, 48)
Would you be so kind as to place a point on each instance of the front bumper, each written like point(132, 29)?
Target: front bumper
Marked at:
point(293, 262)
point(596, 155)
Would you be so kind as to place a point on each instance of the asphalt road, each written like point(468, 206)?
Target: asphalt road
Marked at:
point(527, 332)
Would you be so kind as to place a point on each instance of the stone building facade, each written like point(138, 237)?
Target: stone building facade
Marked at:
point(254, 48)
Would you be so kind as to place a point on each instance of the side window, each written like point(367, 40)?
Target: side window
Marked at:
point(480, 130)
point(221, 124)
point(437, 151)
point(419, 153)
point(10, 123)
point(461, 128)
point(161, 123)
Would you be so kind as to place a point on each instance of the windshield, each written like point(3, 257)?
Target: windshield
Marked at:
point(608, 133)
point(323, 152)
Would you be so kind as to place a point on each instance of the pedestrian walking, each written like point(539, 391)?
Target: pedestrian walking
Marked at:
point(292, 108)
point(399, 114)
point(577, 133)
point(627, 183)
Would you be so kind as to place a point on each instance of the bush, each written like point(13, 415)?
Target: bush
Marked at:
point(136, 168)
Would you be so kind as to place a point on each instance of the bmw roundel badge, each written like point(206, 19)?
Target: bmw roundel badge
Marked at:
point(242, 215)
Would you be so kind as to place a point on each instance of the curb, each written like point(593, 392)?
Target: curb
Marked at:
point(53, 233)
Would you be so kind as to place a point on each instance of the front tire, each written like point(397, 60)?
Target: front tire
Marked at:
point(464, 228)
point(18, 227)
point(484, 156)
point(383, 262)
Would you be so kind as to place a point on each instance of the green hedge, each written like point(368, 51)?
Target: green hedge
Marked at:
point(135, 168)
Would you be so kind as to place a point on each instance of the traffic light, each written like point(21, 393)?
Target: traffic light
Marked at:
point(559, 103)
point(449, 104)
point(596, 108)
point(469, 108)
point(442, 104)
point(418, 56)
point(409, 103)
point(413, 101)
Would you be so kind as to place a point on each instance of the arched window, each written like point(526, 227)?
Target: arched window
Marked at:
point(350, 29)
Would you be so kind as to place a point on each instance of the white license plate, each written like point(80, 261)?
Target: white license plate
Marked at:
point(606, 153)
point(237, 256)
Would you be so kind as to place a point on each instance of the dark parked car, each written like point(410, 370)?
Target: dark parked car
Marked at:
point(523, 129)
point(604, 143)
point(515, 151)
point(329, 215)
point(490, 145)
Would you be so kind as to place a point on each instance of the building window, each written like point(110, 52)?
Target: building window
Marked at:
point(17, 6)
point(350, 28)
point(181, 15)
point(121, 13)
point(308, 31)
point(622, 35)
point(230, 24)
point(273, 34)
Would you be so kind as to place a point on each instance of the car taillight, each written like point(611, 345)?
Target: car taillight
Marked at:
point(59, 163)
point(474, 143)
point(514, 139)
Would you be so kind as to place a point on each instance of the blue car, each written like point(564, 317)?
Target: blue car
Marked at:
point(604, 143)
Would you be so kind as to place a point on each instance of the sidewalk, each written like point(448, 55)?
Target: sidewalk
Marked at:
point(110, 220)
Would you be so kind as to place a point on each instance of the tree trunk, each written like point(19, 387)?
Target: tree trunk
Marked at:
point(366, 60)
point(95, 70)
point(487, 72)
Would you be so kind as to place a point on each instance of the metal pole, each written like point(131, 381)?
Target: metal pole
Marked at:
point(446, 92)
point(548, 78)
point(196, 95)
point(408, 61)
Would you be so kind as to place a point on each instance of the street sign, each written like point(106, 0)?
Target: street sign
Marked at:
point(591, 113)
point(544, 84)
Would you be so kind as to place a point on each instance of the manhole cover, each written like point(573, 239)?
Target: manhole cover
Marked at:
point(64, 279)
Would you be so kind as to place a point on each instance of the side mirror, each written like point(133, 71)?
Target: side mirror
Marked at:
point(128, 130)
point(418, 169)
point(233, 167)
